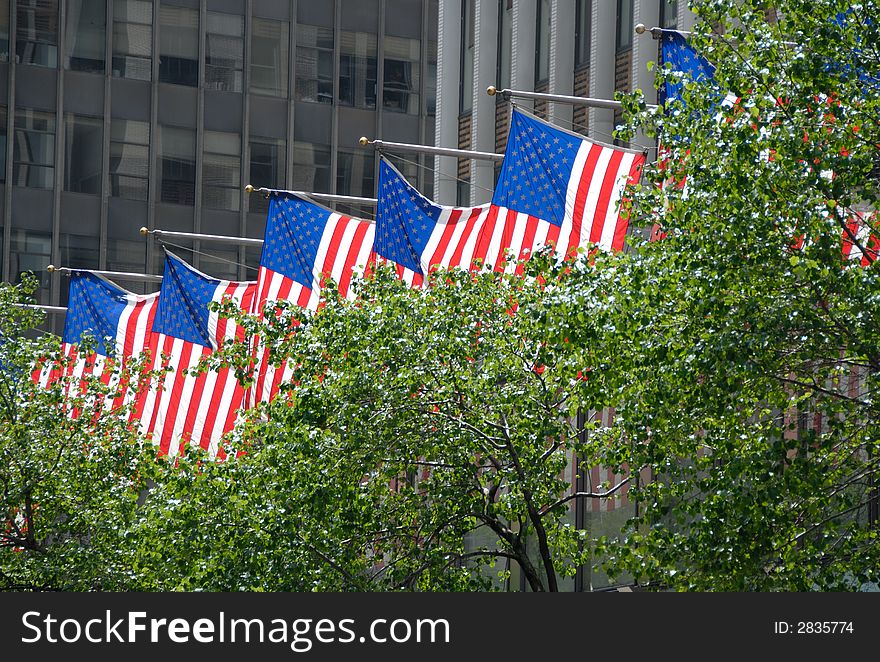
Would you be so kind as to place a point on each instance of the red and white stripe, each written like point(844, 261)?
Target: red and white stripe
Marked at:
point(195, 409)
point(344, 251)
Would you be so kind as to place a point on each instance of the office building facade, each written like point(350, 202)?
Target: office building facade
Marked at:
point(117, 114)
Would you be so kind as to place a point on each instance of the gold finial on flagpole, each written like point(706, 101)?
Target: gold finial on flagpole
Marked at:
point(640, 28)
point(51, 268)
point(363, 141)
point(249, 188)
point(144, 231)
point(491, 90)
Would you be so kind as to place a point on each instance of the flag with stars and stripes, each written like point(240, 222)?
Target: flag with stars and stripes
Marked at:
point(118, 321)
point(569, 181)
point(418, 234)
point(687, 65)
point(188, 407)
point(305, 243)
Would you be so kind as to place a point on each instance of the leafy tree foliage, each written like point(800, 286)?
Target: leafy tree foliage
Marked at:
point(69, 484)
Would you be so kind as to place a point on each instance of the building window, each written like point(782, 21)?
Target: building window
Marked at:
point(269, 53)
point(179, 45)
point(177, 165)
point(401, 81)
point(357, 69)
point(36, 32)
point(431, 79)
point(129, 159)
point(4, 35)
point(583, 27)
point(466, 89)
point(221, 170)
point(33, 149)
point(3, 117)
point(84, 39)
point(78, 251)
point(505, 44)
point(668, 14)
point(542, 42)
point(314, 63)
point(624, 24)
point(355, 173)
point(224, 52)
point(311, 167)
point(132, 39)
point(267, 169)
point(126, 255)
point(31, 251)
point(83, 146)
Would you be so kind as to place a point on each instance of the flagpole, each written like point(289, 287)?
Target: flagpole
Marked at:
point(121, 275)
point(657, 33)
point(217, 238)
point(38, 306)
point(428, 149)
point(328, 197)
point(608, 104)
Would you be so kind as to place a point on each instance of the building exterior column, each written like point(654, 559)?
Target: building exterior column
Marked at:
point(446, 121)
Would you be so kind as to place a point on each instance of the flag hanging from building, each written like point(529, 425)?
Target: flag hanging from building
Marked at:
point(418, 234)
point(305, 243)
point(188, 407)
point(573, 183)
point(118, 321)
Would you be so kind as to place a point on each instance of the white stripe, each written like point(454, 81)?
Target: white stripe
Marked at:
point(516, 239)
point(593, 194)
point(323, 247)
point(338, 266)
point(434, 239)
point(613, 210)
point(574, 181)
point(363, 255)
point(492, 258)
point(470, 242)
point(186, 396)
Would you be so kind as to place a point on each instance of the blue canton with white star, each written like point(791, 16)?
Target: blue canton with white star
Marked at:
point(676, 51)
point(404, 219)
point(94, 308)
point(294, 229)
point(183, 303)
point(536, 169)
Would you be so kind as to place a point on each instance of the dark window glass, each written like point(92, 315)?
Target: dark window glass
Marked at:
point(79, 251)
point(221, 170)
point(4, 36)
point(314, 63)
point(33, 149)
point(36, 32)
point(311, 167)
point(224, 52)
point(179, 45)
point(624, 24)
point(126, 255)
point(3, 117)
point(401, 82)
point(431, 79)
point(355, 173)
point(357, 69)
point(132, 39)
point(463, 193)
point(129, 159)
point(267, 169)
point(83, 147)
point(542, 42)
point(505, 40)
point(466, 90)
point(31, 251)
point(84, 38)
point(584, 20)
point(270, 45)
point(668, 13)
point(177, 165)
point(220, 263)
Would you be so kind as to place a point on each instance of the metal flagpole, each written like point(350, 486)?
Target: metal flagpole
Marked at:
point(428, 149)
point(120, 275)
point(657, 33)
point(328, 197)
point(37, 306)
point(609, 104)
point(217, 238)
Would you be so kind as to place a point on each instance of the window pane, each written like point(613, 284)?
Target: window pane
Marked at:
point(505, 41)
point(668, 13)
point(33, 151)
point(357, 69)
point(79, 251)
point(314, 64)
point(179, 45)
point(129, 159)
point(224, 52)
point(4, 35)
point(269, 55)
point(466, 90)
point(624, 24)
point(311, 167)
point(401, 80)
point(221, 171)
point(86, 25)
point(354, 174)
point(177, 165)
point(267, 169)
point(582, 35)
point(83, 144)
point(31, 251)
point(36, 32)
point(132, 39)
point(3, 117)
point(542, 42)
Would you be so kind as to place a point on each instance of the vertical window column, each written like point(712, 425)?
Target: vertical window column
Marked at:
point(270, 46)
point(314, 63)
point(36, 32)
point(177, 165)
point(179, 45)
point(132, 39)
point(129, 159)
point(83, 146)
point(85, 35)
point(224, 52)
point(221, 170)
point(33, 151)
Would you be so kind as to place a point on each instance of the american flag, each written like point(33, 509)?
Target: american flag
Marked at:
point(187, 408)
point(862, 226)
point(571, 182)
point(119, 322)
point(686, 65)
point(304, 244)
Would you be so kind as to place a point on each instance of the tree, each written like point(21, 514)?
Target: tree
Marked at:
point(71, 469)
point(419, 445)
point(745, 347)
